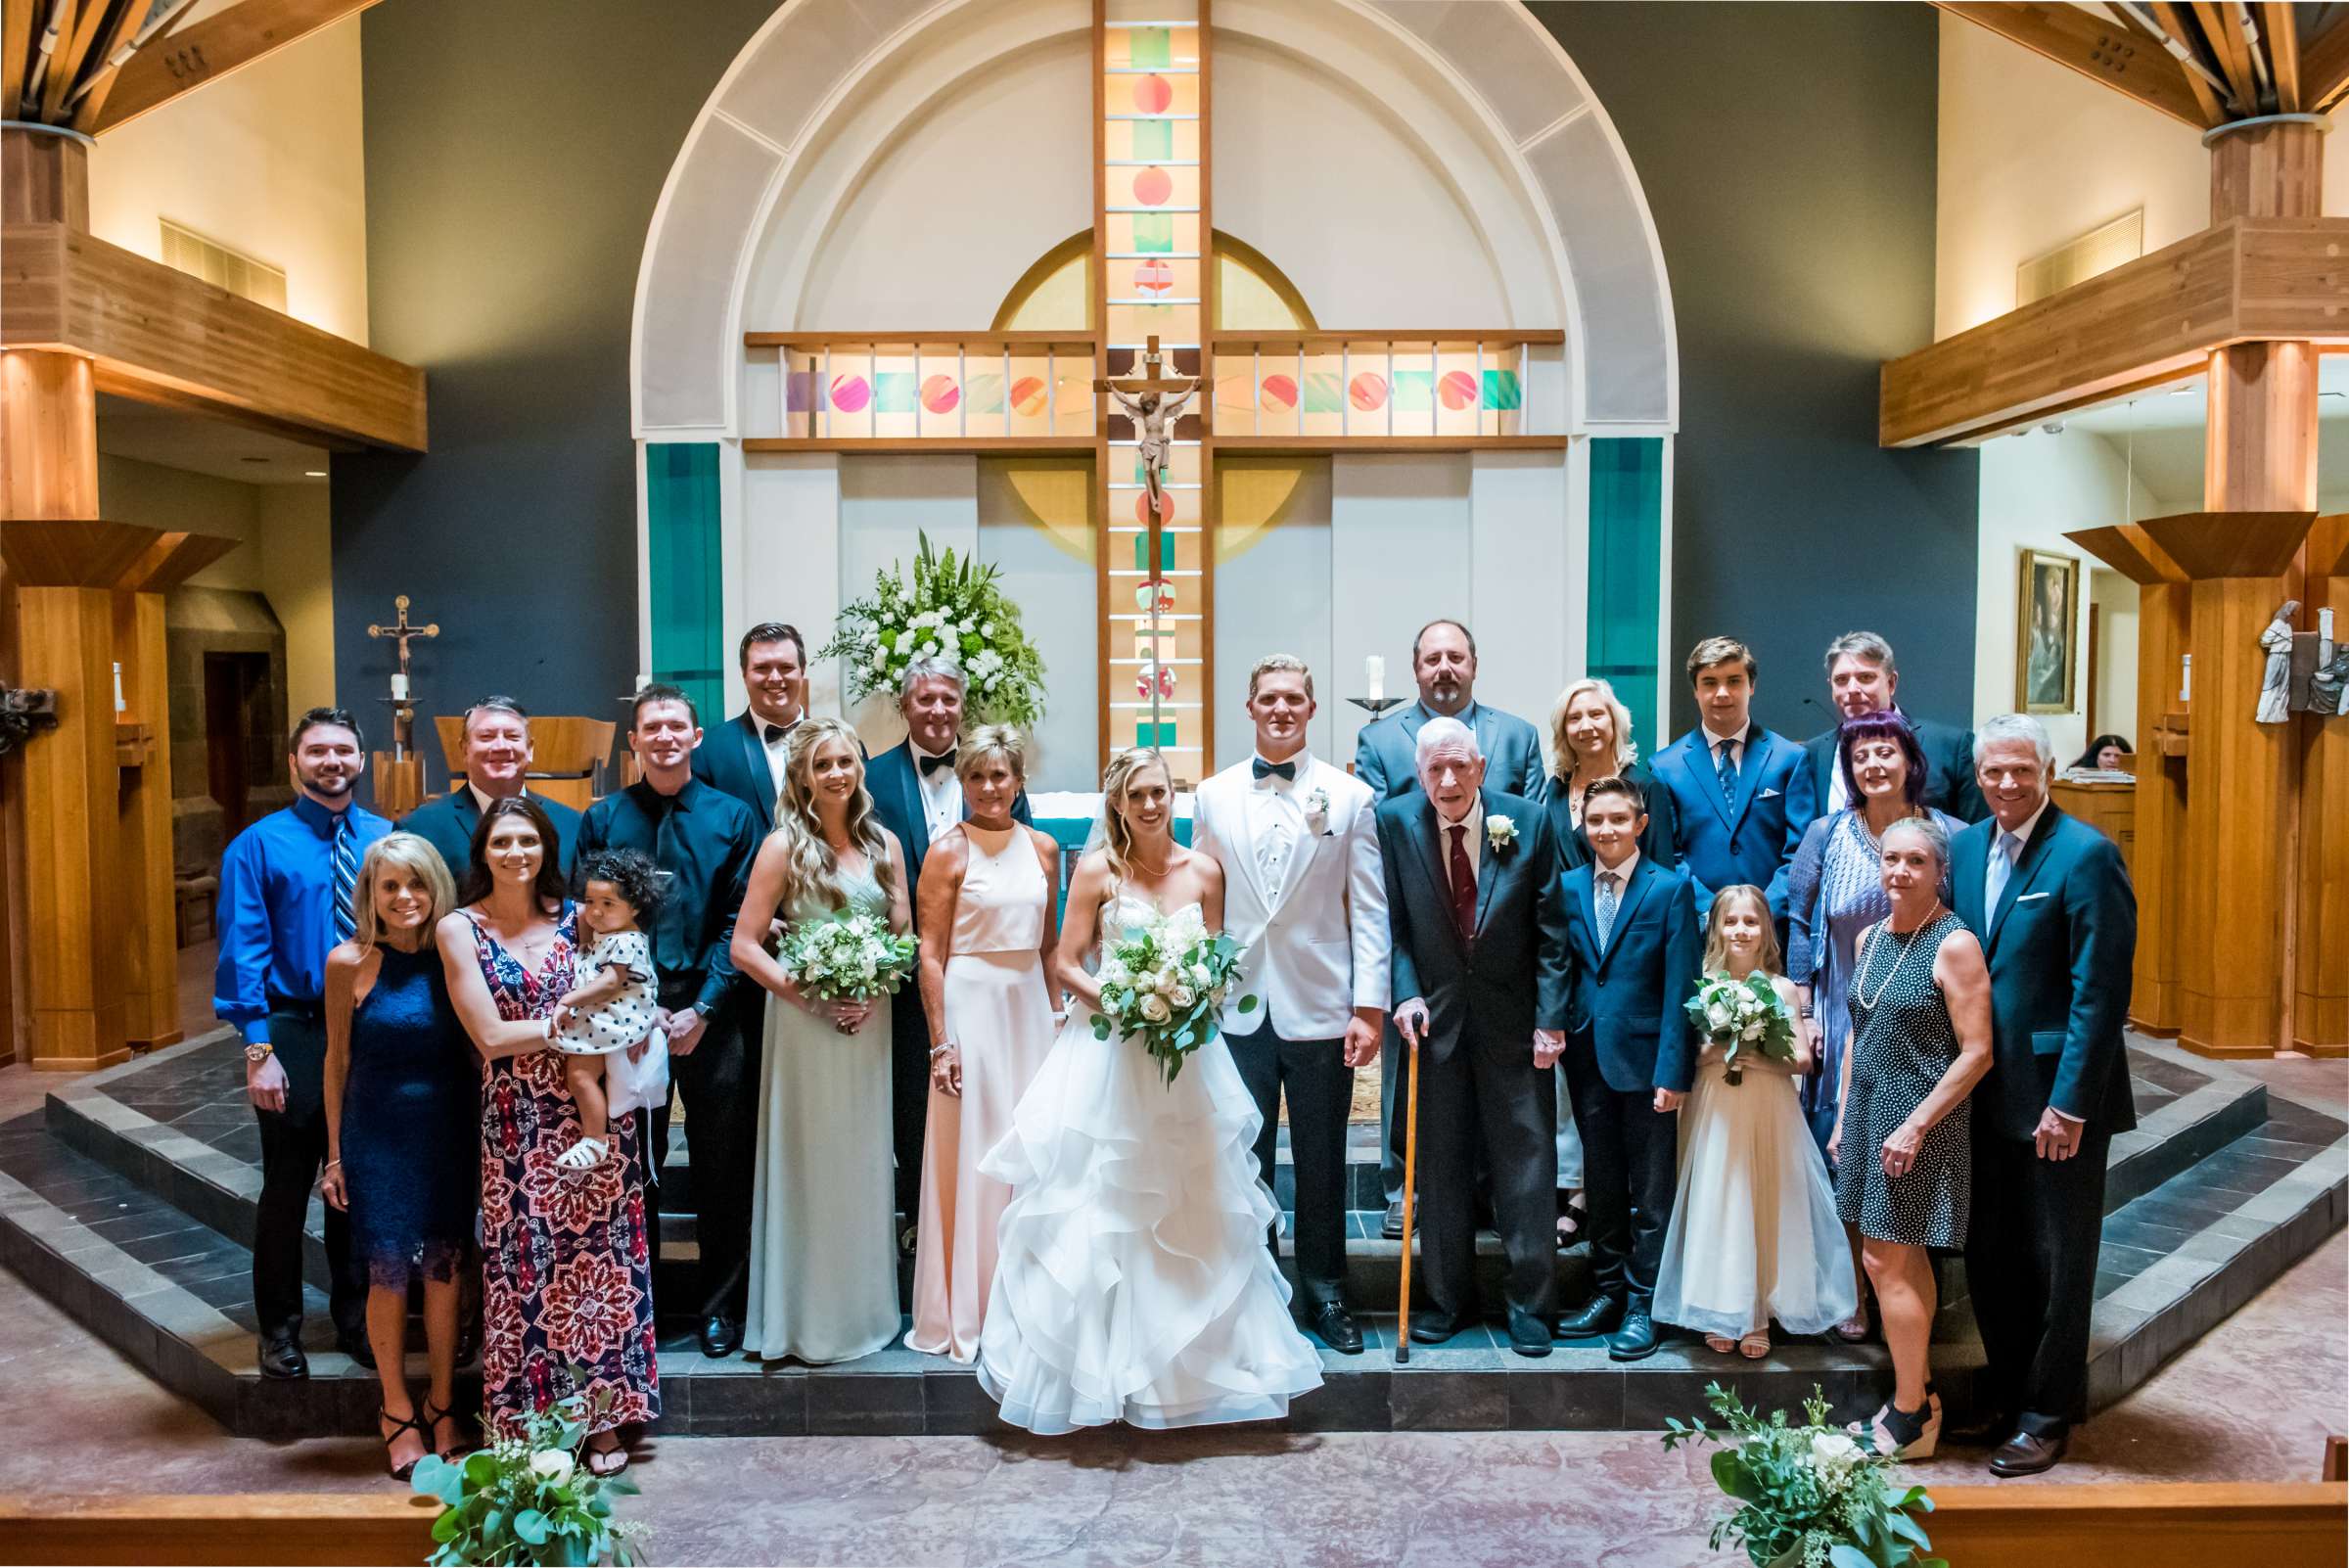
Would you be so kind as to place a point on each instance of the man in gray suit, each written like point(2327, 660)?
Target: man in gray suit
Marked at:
point(1385, 758)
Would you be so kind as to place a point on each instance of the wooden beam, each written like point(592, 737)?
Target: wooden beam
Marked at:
point(2182, 33)
point(103, 73)
point(66, 68)
point(313, 1527)
point(984, 445)
point(1330, 339)
point(156, 334)
point(2282, 35)
point(2148, 320)
point(206, 50)
point(2283, 1524)
point(1034, 342)
point(15, 51)
point(2120, 58)
point(2325, 69)
point(1244, 445)
point(2234, 51)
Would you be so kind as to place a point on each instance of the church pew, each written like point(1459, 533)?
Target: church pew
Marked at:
point(386, 1526)
point(2292, 1524)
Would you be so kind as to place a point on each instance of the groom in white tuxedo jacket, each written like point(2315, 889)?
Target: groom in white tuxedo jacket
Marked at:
point(1305, 896)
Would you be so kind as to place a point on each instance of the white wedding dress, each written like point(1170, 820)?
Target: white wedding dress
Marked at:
point(1132, 1282)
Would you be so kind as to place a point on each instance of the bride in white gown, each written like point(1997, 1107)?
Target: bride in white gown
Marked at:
point(1132, 1282)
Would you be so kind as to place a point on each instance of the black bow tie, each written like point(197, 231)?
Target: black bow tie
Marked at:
point(1263, 770)
point(772, 733)
point(931, 765)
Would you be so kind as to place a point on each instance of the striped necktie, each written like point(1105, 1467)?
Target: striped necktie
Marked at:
point(345, 877)
point(1726, 767)
point(1609, 901)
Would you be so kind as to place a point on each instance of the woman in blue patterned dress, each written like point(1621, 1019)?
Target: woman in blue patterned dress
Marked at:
point(567, 1284)
point(1834, 891)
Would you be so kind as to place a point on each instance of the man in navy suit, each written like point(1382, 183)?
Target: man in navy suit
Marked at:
point(1632, 927)
point(744, 756)
point(1862, 680)
point(2049, 899)
point(498, 763)
point(917, 796)
point(1385, 758)
point(1744, 794)
point(1479, 977)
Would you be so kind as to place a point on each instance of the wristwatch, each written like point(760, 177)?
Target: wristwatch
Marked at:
point(257, 1051)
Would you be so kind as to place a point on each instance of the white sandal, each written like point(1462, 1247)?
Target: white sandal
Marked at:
point(585, 1155)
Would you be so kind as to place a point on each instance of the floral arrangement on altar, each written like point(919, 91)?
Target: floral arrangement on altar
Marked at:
point(1166, 983)
point(1744, 1017)
point(530, 1499)
point(953, 610)
point(848, 958)
point(1812, 1495)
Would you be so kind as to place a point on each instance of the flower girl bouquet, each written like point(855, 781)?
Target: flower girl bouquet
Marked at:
point(1744, 1017)
point(848, 958)
point(1166, 982)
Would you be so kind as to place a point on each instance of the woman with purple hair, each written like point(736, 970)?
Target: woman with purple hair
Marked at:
point(1835, 890)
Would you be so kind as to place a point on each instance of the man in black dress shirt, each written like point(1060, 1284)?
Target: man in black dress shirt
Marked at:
point(704, 842)
point(1863, 679)
point(744, 756)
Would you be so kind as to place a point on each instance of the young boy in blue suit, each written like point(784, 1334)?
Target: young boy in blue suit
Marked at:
point(1629, 1058)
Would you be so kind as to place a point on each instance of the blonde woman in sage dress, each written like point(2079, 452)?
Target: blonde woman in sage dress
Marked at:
point(823, 1265)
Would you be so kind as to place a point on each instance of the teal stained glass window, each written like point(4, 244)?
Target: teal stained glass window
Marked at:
point(681, 517)
point(1627, 542)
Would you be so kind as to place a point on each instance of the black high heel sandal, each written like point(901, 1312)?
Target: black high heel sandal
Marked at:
point(401, 1472)
point(431, 1418)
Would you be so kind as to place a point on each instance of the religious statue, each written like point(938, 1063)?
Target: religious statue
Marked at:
point(1155, 412)
point(2329, 684)
point(24, 714)
point(2276, 683)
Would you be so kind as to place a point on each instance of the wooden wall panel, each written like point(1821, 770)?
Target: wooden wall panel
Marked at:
point(2320, 978)
point(149, 933)
point(2163, 627)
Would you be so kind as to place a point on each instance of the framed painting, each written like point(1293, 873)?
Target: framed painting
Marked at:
point(2046, 619)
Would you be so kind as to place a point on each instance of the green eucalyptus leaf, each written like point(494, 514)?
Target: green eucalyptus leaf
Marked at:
point(1844, 1556)
point(531, 1526)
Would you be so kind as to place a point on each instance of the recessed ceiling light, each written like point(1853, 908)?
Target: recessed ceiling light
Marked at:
point(314, 473)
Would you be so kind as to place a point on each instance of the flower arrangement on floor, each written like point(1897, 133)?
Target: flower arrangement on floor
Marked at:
point(531, 1498)
point(848, 958)
point(1166, 983)
point(953, 610)
point(1811, 1495)
point(1744, 1016)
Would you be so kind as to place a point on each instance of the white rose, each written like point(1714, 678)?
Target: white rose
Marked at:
point(1154, 1008)
point(1751, 1031)
point(1717, 1016)
point(1200, 976)
point(552, 1465)
point(1832, 1450)
point(1163, 983)
point(1183, 996)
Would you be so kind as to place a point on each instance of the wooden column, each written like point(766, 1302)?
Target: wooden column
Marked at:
point(2320, 978)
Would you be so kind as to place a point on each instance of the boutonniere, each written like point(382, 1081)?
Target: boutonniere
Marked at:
point(1317, 804)
point(1501, 833)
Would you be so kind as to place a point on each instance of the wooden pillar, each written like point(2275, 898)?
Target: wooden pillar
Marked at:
point(2163, 619)
point(142, 824)
point(2320, 978)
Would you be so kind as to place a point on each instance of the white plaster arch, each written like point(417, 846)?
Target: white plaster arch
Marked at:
point(772, 139)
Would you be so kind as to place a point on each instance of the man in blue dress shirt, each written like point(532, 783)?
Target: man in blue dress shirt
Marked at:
point(286, 888)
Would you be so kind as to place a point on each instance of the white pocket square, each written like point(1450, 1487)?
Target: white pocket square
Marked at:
point(2026, 898)
point(1770, 794)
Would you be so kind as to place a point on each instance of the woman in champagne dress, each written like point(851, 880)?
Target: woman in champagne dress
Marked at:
point(987, 927)
point(823, 1265)
point(1132, 1281)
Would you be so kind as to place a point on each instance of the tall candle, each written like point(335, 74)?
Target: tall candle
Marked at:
point(119, 703)
point(399, 687)
point(1374, 670)
point(2324, 624)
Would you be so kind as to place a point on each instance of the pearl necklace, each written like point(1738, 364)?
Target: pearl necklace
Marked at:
point(1859, 980)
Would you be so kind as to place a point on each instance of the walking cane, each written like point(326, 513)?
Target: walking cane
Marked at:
point(1410, 1194)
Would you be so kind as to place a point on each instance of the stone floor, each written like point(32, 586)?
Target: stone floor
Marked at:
point(2253, 1400)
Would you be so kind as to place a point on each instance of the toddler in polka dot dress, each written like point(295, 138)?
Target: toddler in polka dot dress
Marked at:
point(612, 1012)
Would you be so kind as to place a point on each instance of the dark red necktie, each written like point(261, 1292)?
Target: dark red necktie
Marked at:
point(1464, 884)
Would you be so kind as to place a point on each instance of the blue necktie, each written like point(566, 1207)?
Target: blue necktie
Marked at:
point(1609, 900)
point(1726, 768)
point(2002, 867)
point(345, 878)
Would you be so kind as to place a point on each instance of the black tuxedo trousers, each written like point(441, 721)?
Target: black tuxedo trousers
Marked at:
point(1490, 1099)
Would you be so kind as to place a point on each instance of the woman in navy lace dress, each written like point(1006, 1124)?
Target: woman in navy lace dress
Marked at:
point(566, 1282)
point(399, 1138)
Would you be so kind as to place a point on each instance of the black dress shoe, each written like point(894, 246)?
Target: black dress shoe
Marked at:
point(1636, 1340)
point(1528, 1335)
point(1598, 1316)
point(722, 1336)
point(2028, 1453)
point(280, 1356)
point(1337, 1328)
point(1433, 1330)
point(357, 1347)
point(1391, 1228)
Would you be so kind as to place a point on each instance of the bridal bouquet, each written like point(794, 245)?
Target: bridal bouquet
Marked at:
point(1745, 1016)
point(1809, 1495)
point(1166, 983)
point(848, 958)
point(529, 1497)
point(952, 610)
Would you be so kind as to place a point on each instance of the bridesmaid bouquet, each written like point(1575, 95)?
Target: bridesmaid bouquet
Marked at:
point(1743, 1016)
point(849, 958)
point(1165, 984)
